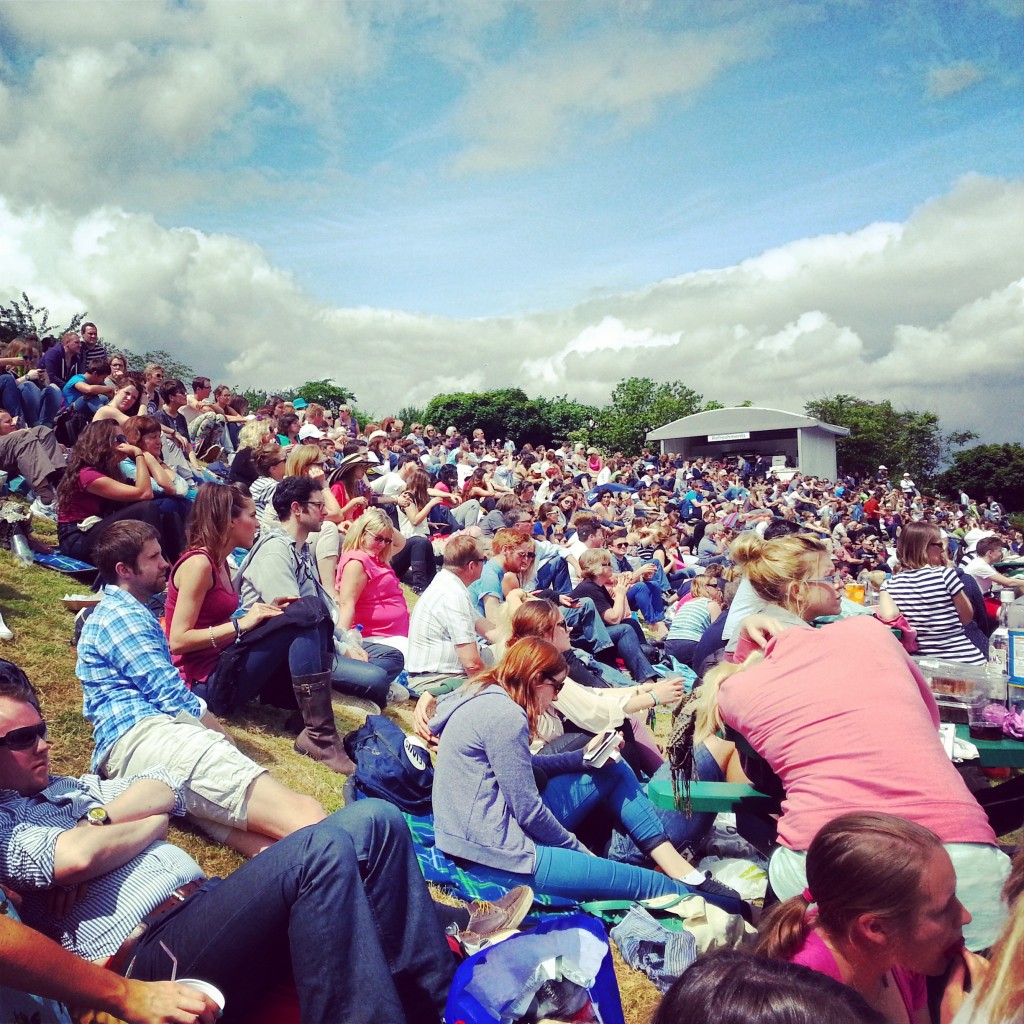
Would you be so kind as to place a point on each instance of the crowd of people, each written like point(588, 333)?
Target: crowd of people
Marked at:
point(562, 595)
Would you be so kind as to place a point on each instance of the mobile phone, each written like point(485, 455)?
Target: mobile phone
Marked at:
point(607, 743)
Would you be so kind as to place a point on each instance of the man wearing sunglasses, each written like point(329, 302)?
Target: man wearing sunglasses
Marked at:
point(342, 903)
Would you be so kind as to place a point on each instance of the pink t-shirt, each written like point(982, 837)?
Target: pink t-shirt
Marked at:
point(816, 955)
point(848, 724)
point(381, 609)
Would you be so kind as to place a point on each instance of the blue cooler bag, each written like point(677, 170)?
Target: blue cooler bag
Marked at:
point(494, 985)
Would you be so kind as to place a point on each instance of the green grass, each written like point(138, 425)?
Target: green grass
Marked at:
point(30, 600)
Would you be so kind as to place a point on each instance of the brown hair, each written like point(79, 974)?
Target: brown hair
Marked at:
point(867, 863)
point(912, 546)
point(527, 664)
point(95, 449)
point(460, 551)
point(136, 426)
point(216, 505)
point(266, 456)
point(537, 617)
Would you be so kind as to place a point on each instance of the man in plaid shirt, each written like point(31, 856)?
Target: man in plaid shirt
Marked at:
point(143, 715)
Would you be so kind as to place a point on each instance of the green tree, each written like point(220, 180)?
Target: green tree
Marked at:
point(174, 369)
point(565, 417)
point(23, 319)
point(410, 414)
point(638, 405)
point(324, 392)
point(883, 435)
point(996, 469)
point(506, 412)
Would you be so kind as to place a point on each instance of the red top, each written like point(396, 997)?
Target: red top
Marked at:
point(219, 604)
point(82, 503)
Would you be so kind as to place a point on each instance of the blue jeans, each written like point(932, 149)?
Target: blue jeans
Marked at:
point(89, 405)
point(645, 597)
point(371, 678)
point(681, 830)
point(627, 637)
point(272, 659)
point(10, 398)
point(40, 405)
point(343, 901)
point(579, 876)
point(682, 650)
point(587, 626)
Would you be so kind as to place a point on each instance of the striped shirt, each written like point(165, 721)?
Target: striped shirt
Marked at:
point(692, 619)
point(925, 597)
point(114, 903)
point(443, 617)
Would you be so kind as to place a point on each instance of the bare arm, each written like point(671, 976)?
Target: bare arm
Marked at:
point(351, 584)
point(160, 473)
point(107, 487)
point(34, 963)
point(90, 851)
point(620, 606)
point(194, 580)
point(469, 655)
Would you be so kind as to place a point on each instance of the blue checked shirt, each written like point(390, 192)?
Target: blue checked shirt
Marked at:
point(125, 667)
point(113, 903)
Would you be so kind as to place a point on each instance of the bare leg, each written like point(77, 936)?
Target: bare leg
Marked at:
point(671, 861)
point(276, 811)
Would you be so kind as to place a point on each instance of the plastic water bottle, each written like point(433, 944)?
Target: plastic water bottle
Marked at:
point(20, 549)
point(352, 638)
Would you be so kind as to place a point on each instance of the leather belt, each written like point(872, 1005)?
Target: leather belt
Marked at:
point(121, 961)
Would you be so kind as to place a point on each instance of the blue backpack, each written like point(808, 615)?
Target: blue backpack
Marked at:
point(391, 765)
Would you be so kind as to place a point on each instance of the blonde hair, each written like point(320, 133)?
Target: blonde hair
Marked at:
point(779, 569)
point(301, 457)
point(1001, 991)
point(378, 521)
point(592, 560)
point(704, 586)
point(251, 435)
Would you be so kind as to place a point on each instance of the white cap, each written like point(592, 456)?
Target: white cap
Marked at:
point(308, 430)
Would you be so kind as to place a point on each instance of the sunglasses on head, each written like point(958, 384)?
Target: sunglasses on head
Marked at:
point(22, 739)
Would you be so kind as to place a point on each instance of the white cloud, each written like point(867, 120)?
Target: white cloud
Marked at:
point(123, 92)
point(928, 313)
point(534, 106)
point(953, 78)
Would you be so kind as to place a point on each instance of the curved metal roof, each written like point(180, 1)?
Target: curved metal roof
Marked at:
point(741, 418)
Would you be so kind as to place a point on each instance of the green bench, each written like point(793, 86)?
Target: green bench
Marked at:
point(717, 797)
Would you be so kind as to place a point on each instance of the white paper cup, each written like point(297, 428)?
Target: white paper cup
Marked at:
point(206, 988)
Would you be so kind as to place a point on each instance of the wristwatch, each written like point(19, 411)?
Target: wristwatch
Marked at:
point(96, 816)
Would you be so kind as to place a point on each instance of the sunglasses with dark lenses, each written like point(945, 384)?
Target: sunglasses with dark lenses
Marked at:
point(556, 684)
point(23, 739)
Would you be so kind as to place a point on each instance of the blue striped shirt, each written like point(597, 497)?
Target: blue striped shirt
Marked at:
point(113, 903)
point(125, 667)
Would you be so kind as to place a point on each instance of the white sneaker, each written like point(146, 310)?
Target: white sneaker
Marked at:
point(41, 511)
point(358, 706)
point(5, 632)
point(398, 693)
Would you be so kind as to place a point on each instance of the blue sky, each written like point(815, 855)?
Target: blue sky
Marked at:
point(772, 200)
point(827, 125)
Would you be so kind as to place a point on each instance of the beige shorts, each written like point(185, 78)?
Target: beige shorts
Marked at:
point(218, 777)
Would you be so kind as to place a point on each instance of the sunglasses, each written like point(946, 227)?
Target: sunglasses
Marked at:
point(556, 684)
point(25, 738)
point(834, 578)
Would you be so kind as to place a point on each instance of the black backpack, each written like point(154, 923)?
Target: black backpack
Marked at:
point(68, 424)
point(391, 765)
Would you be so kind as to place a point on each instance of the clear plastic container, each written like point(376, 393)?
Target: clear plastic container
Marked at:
point(961, 690)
